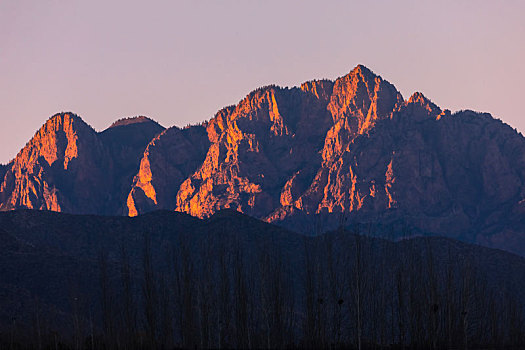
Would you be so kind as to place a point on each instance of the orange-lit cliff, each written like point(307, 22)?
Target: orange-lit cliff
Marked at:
point(288, 155)
point(69, 167)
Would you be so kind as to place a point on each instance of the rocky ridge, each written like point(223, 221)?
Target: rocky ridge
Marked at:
point(69, 167)
point(352, 149)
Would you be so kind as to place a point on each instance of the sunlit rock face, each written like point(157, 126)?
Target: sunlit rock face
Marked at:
point(356, 147)
point(349, 150)
point(168, 160)
point(67, 166)
point(256, 147)
point(284, 149)
point(125, 140)
point(56, 169)
point(459, 175)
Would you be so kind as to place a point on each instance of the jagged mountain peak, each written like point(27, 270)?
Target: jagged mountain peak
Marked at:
point(352, 146)
point(65, 119)
point(322, 89)
point(421, 107)
point(47, 166)
point(363, 77)
point(64, 116)
point(56, 139)
point(361, 89)
point(418, 97)
point(364, 71)
point(255, 94)
point(68, 166)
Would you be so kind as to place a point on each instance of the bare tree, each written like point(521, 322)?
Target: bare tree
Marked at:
point(224, 307)
point(129, 309)
point(240, 300)
point(310, 324)
point(149, 291)
point(358, 286)
point(106, 299)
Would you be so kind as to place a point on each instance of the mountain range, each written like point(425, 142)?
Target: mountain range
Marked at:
point(324, 154)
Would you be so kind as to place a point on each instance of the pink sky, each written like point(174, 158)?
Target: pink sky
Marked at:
point(179, 62)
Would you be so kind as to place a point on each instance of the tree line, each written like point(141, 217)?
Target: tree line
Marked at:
point(343, 290)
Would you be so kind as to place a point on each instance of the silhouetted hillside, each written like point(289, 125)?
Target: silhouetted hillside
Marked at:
point(168, 279)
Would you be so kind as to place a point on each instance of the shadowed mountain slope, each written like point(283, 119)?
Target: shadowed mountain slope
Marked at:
point(69, 167)
point(270, 285)
point(350, 150)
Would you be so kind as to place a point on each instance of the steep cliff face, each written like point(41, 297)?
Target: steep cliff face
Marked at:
point(359, 173)
point(355, 149)
point(350, 149)
point(279, 147)
point(67, 166)
point(358, 101)
point(57, 169)
point(125, 141)
point(459, 175)
point(168, 160)
point(255, 148)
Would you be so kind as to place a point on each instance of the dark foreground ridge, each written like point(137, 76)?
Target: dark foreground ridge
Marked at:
point(167, 279)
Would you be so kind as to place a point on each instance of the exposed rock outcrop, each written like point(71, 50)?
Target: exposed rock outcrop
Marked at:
point(168, 160)
point(280, 147)
point(57, 169)
point(351, 149)
point(67, 166)
point(125, 141)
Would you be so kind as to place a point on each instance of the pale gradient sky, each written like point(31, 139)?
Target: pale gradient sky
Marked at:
point(180, 61)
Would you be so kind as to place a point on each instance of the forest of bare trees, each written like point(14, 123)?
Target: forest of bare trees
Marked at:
point(345, 290)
